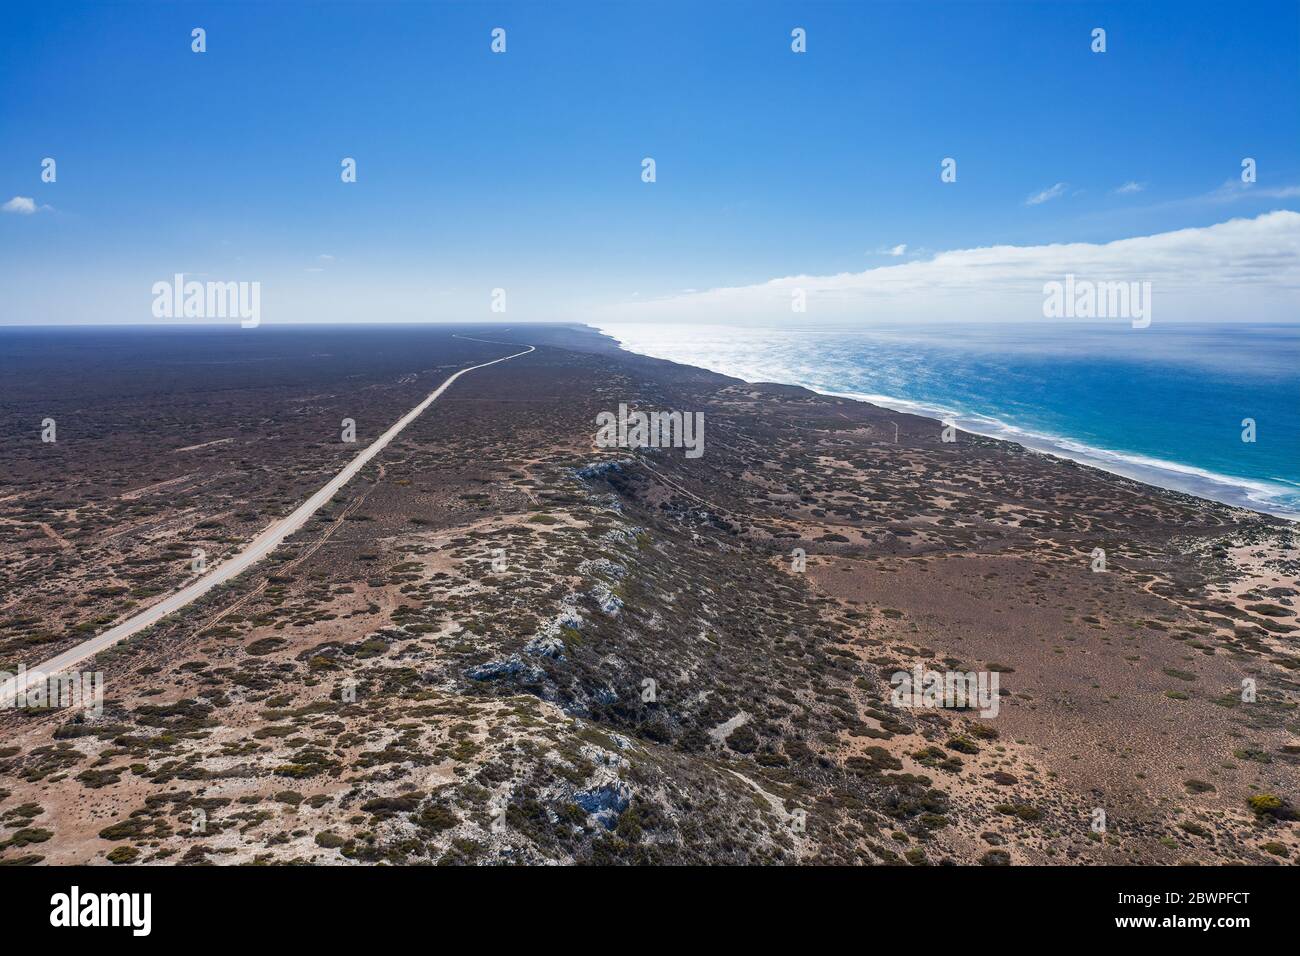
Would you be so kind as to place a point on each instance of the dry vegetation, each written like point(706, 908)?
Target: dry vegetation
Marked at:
point(449, 664)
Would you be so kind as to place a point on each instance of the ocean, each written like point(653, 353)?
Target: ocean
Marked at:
point(1165, 405)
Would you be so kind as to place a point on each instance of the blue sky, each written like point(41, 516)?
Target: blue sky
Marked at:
point(522, 170)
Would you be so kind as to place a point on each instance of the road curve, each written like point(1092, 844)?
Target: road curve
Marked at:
point(254, 551)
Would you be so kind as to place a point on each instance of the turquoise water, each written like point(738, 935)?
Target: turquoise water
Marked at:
point(1163, 404)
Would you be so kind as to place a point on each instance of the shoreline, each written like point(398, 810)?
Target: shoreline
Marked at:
point(1227, 490)
point(773, 589)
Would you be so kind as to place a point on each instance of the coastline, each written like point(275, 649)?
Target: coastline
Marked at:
point(1231, 491)
point(770, 591)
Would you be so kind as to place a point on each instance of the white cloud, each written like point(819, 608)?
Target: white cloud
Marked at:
point(1051, 192)
point(23, 205)
point(1234, 189)
point(1131, 187)
point(1242, 269)
point(897, 250)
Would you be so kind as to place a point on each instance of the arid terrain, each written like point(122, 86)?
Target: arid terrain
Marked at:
point(502, 643)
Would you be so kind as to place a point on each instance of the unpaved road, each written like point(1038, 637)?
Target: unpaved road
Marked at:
point(254, 551)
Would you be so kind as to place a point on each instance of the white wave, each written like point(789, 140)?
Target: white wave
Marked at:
point(1274, 498)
